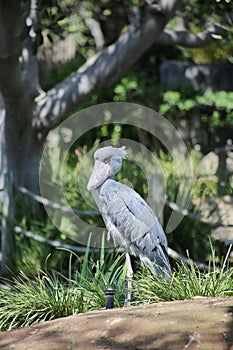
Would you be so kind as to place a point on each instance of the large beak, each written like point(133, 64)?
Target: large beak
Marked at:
point(99, 174)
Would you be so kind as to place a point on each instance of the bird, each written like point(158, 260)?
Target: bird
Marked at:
point(130, 221)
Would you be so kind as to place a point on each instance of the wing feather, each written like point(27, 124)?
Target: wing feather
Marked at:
point(135, 221)
point(131, 214)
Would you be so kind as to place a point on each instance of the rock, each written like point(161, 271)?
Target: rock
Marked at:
point(202, 323)
point(215, 210)
point(210, 76)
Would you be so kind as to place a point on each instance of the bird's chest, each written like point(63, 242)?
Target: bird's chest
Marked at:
point(107, 197)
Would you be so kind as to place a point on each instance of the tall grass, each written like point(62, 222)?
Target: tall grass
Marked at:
point(49, 295)
point(186, 282)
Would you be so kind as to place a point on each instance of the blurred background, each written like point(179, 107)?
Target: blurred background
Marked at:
point(190, 84)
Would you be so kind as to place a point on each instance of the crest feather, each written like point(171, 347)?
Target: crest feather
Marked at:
point(109, 151)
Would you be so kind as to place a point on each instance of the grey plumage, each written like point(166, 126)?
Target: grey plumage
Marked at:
point(128, 218)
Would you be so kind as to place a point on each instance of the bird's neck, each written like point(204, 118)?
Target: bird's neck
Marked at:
point(97, 189)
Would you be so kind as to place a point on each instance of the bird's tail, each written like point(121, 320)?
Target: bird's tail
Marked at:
point(163, 261)
point(160, 267)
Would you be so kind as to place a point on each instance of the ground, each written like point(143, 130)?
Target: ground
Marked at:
point(200, 323)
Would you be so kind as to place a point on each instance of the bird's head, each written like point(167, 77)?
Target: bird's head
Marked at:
point(108, 161)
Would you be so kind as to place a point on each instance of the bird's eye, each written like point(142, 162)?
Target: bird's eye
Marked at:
point(107, 160)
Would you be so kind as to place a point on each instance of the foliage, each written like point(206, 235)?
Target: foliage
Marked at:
point(217, 108)
point(48, 295)
point(31, 254)
point(216, 52)
point(141, 82)
point(194, 13)
point(141, 85)
point(190, 234)
point(59, 17)
point(186, 282)
point(193, 237)
point(35, 299)
point(195, 19)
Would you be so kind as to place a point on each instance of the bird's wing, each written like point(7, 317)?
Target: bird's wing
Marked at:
point(153, 244)
point(136, 206)
point(142, 212)
point(136, 222)
point(130, 213)
point(117, 210)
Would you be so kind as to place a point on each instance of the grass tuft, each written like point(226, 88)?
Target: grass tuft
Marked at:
point(49, 295)
point(186, 282)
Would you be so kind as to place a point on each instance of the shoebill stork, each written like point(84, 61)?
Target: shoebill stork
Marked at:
point(128, 218)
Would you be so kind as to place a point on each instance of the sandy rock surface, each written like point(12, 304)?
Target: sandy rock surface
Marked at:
point(200, 323)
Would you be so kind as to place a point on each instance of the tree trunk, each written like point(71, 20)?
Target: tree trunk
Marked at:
point(20, 164)
point(20, 144)
point(8, 262)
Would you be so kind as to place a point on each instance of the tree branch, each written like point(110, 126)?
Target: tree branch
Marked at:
point(104, 68)
point(94, 28)
point(28, 59)
point(204, 38)
point(108, 65)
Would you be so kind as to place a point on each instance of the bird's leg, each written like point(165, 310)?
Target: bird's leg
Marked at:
point(129, 276)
